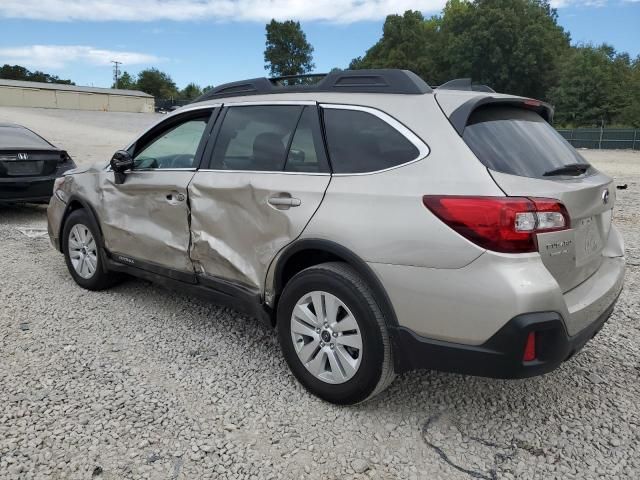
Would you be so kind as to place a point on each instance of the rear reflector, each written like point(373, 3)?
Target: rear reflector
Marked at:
point(530, 348)
point(501, 224)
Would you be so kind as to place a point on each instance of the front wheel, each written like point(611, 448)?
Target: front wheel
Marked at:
point(333, 334)
point(82, 253)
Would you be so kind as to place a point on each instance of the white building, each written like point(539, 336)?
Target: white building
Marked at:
point(17, 93)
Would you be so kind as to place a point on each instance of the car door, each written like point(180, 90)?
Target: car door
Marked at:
point(266, 175)
point(145, 220)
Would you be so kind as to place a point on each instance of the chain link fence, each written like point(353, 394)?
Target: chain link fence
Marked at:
point(603, 138)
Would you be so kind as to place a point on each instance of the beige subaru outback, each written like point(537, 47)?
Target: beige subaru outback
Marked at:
point(379, 224)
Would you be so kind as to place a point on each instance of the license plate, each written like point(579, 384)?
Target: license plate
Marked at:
point(588, 240)
point(23, 168)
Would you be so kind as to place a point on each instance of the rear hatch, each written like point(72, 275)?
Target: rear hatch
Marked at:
point(527, 158)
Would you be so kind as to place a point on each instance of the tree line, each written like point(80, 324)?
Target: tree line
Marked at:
point(517, 47)
point(513, 46)
point(17, 72)
point(159, 84)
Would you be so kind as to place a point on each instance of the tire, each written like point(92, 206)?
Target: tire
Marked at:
point(330, 374)
point(93, 274)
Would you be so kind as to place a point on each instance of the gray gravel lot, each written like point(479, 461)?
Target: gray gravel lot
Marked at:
point(139, 382)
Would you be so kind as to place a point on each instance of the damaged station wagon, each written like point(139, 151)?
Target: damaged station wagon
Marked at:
point(379, 224)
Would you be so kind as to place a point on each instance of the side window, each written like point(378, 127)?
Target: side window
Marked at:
point(255, 137)
point(174, 148)
point(359, 142)
point(307, 149)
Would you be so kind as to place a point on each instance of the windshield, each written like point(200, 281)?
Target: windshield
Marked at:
point(520, 142)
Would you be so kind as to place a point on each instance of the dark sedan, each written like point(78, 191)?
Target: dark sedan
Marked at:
point(28, 165)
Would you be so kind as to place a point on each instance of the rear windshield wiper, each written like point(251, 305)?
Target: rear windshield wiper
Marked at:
point(570, 169)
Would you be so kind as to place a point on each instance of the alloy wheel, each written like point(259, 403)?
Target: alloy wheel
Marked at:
point(326, 337)
point(83, 252)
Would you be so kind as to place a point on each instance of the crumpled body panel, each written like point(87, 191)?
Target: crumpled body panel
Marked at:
point(236, 232)
point(144, 218)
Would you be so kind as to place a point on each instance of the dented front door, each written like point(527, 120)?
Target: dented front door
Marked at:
point(146, 219)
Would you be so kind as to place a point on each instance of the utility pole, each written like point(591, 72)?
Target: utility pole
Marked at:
point(116, 71)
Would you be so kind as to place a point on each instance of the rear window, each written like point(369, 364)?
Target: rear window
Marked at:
point(518, 142)
point(18, 137)
point(361, 142)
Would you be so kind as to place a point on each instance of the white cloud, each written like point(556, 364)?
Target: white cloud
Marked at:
point(581, 3)
point(342, 11)
point(59, 56)
point(339, 11)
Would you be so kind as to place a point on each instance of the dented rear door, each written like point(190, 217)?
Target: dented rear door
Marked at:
point(267, 176)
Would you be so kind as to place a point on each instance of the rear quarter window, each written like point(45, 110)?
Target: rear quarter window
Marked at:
point(360, 142)
point(518, 142)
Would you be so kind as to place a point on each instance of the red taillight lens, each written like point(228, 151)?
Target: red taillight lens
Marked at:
point(530, 348)
point(501, 224)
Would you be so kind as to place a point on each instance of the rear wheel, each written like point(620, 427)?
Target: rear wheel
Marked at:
point(333, 334)
point(82, 253)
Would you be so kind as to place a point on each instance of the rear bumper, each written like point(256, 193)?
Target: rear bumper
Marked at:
point(33, 189)
point(501, 355)
point(17, 190)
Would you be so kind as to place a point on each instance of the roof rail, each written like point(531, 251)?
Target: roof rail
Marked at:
point(465, 84)
point(352, 81)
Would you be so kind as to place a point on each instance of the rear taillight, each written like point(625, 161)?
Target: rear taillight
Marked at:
point(501, 224)
point(64, 158)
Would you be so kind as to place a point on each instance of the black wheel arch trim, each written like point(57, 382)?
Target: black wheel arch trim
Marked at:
point(349, 257)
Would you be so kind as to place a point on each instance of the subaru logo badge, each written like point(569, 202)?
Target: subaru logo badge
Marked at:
point(605, 196)
point(23, 156)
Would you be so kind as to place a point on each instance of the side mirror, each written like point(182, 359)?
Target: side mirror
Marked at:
point(120, 163)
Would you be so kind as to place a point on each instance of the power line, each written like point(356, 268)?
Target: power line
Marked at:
point(116, 71)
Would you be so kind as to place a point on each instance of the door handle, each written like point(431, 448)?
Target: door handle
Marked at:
point(283, 202)
point(174, 198)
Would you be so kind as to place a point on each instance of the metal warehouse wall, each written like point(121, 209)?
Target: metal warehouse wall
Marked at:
point(33, 97)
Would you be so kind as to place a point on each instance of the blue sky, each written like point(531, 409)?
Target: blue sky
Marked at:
point(214, 41)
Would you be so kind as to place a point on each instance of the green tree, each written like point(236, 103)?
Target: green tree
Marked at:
point(514, 46)
point(18, 72)
point(157, 83)
point(511, 45)
point(630, 114)
point(287, 51)
point(408, 41)
point(190, 92)
point(126, 82)
point(593, 87)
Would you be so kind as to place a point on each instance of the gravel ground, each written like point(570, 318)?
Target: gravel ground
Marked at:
point(138, 382)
